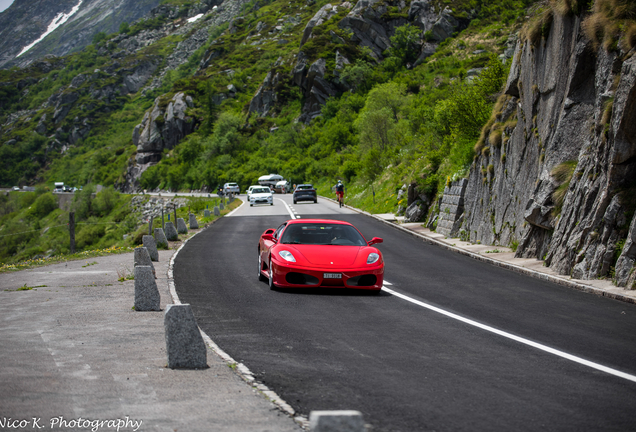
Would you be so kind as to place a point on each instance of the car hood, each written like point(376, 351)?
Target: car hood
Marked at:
point(327, 254)
point(260, 195)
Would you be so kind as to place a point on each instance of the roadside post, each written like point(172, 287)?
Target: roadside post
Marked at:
point(71, 228)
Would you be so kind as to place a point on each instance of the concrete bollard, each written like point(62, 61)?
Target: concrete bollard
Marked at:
point(206, 213)
point(184, 344)
point(160, 237)
point(221, 206)
point(171, 232)
point(142, 258)
point(146, 292)
point(193, 222)
point(151, 245)
point(336, 421)
point(217, 212)
point(181, 226)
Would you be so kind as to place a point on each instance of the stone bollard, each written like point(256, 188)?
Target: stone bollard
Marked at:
point(206, 213)
point(221, 206)
point(171, 232)
point(193, 222)
point(217, 212)
point(146, 292)
point(151, 245)
point(160, 237)
point(184, 344)
point(336, 421)
point(142, 258)
point(181, 226)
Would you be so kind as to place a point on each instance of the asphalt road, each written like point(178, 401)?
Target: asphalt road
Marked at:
point(404, 366)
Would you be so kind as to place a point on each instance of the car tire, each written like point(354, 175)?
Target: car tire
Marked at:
point(294, 201)
point(261, 278)
point(270, 279)
point(251, 205)
point(271, 203)
point(315, 201)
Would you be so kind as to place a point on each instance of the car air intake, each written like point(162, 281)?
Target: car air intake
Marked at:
point(301, 279)
point(363, 280)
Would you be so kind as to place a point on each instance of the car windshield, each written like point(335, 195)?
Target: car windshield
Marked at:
point(260, 190)
point(322, 234)
point(301, 187)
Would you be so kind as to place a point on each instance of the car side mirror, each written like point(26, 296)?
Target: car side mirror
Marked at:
point(375, 240)
point(268, 237)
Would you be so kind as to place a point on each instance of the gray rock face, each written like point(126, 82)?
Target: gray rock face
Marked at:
point(206, 213)
point(150, 244)
point(336, 421)
point(318, 90)
point(369, 28)
point(160, 237)
point(324, 14)
point(221, 206)
point(142, 258)
point(181, 226)
point(171, 232)
point(561, 93)
point(265, 97)
point(162, 129)
point(193, 222)
point(416, 212)
point(146, 293)
point(217, 211)
point(184, 344)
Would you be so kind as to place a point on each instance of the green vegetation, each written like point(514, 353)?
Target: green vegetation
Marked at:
point(399, 123)
point(34, 231)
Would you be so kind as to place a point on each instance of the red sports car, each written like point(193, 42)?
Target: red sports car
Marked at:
point(305, 253)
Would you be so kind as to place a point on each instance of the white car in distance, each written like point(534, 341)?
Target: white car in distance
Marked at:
point(231, 188)
point(249, 190)
point(261, 195)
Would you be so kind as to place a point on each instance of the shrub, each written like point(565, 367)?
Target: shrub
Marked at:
point(43, 205)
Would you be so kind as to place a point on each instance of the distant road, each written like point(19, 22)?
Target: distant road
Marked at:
point(452, 344)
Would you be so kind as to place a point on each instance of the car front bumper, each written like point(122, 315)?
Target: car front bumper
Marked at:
point(294, 276)
point(254, 201)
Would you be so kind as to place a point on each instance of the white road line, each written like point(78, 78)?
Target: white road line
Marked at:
point(289, 210)
point(513, 337)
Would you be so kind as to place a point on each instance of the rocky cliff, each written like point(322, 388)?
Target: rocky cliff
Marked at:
point(25, 21)
point(556, 170)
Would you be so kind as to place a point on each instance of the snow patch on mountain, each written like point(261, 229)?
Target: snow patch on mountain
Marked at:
point(60, 19)
point(194, 18)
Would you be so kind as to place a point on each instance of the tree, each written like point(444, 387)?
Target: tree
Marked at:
point(124, 28)
point(405, 43)
point(99, 37)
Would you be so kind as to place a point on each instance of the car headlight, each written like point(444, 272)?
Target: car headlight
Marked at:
point(373, 258)
point(287, 256)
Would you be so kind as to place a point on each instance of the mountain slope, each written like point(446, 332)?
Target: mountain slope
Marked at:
point(25, 21)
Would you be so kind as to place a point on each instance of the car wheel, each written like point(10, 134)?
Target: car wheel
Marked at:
point(251, 205)
point(260, 268)
point(271, 203)
point(272, 286)
point(294, 201)
point(315, 201)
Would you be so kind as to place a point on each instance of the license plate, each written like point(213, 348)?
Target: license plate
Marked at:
point(332, 276)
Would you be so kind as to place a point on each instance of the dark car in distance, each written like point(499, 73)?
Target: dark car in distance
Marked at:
point(305, 192)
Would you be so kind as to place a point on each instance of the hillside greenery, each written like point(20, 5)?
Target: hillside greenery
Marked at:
point(397, 125)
